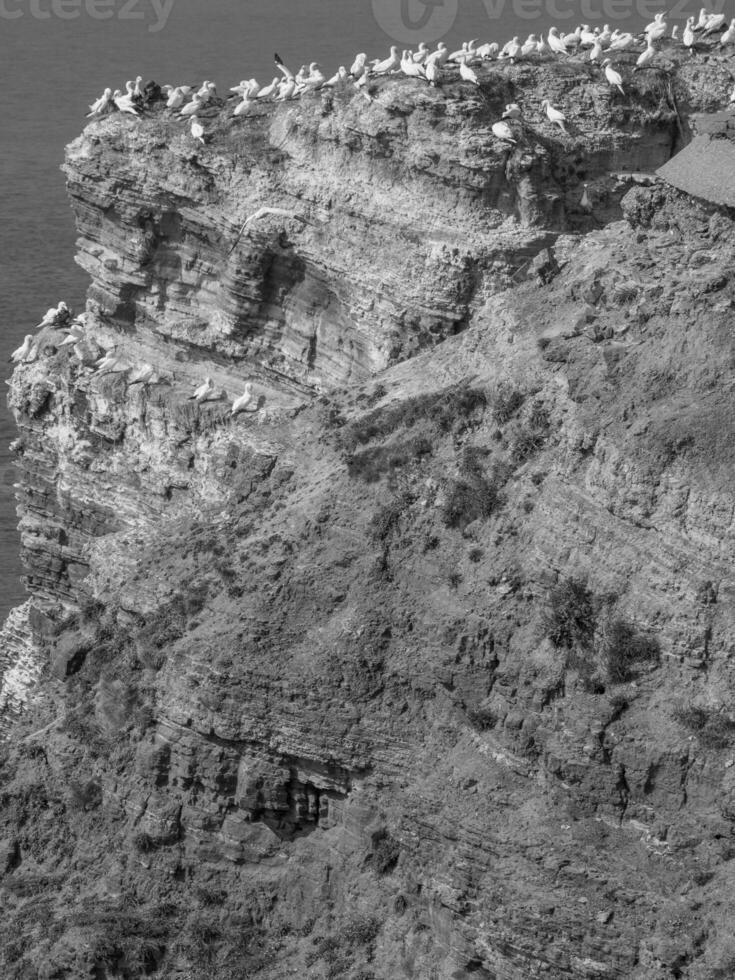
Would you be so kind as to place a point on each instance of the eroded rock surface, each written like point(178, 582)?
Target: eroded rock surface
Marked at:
point(422, 668)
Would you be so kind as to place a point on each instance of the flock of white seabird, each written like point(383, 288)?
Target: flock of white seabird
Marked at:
point(428, 66)
point(60, 318)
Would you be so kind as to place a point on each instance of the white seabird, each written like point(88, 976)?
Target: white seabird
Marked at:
point(555, 115)
point(176, 98)
point(146, 374)
point(241, 404)
point(358, 66)
point(503, 131)
point(422, 54)
point(197, 130)
point(124, 103)
point(512, 111)
point(270, 90)
point(315, 79)
point(287, 90)
point(468, 74)
point(204, 392)
point(338, 80)
point(111, 363)
point(440, 56)
point(411, 68)
point(100, 105)
point(390, 64)
point(612, 76)
point(76, 333)
point(621, 42)
point(23, 351)
point(555, 42)
point(433, 73)
point(192, 107)
point(647, 57)
point(55, 316)
point(729, 36)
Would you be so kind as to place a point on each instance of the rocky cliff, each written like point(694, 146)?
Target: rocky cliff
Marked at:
point(421, 667)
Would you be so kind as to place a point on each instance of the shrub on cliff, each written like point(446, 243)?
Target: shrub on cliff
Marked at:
point(625, 648)
point(371, 464)
point(571, 618)
point(713, 729)
point(442, 409)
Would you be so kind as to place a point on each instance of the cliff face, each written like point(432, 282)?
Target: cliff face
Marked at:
point(421, 668)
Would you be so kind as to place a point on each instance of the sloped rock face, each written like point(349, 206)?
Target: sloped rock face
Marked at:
point(418, 675)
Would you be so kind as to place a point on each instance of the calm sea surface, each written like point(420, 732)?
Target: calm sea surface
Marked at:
point(56, 56)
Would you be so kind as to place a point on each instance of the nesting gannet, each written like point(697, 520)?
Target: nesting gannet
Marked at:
point(460, 54)
point(554, 115)
point(612, 76)
point(587, 37)
point(555, 42)
point(124, 103)
point(422, 54)
point(339, 80)
point(102, 104)
point(621, 42)
point(192, 107)
point(441, 55)
point(315, 79)
point(572, 40)
point(197, 130)
point(468, 74)
point(411, 68)
point(176, 98)
point(704, 16)
point(512, 111)
point(433, 73)
point(729, 36)
point(656, 31)
point(390, 64)
point(530, 46)
point(111, 363)
point(358, 66)
point(514, 50)
point(687, 38)
point(287, 90)
point(55, 316)
point(716, 22)
point(73, 337)
point(647, 57)
point(145, 374)
point(486, 52)
point(138, 88)
point(503, 131)
point(542, 47)
point(206, 392)
point(23, 351)
point(270, 91)
point(596, 52)
point(241, 404)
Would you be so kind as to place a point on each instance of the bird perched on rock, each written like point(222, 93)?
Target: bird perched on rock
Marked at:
point(613, 77)
point(337, 81)
point(647, 57)
point(206, 392)
point(715, 22)
point(687, 38)
point(503, 131)
point(441, 55)
point(390, 64)
point(411, 68)
point(512, 111)
point(657, 28)
point(468, 74)
point(111, 363)
point(192, 107)
point(197, 130)
point(358, 68)
point(245, 401)
point(146, 374)
point(555, 42)
point(57, 316)
point(422, 54)
point(729, 36)
point(555, 115)
point(125, 102)
point(621, 42)
point(433, 73)
point(101, 105)
point(23, 352)
point(76, 333)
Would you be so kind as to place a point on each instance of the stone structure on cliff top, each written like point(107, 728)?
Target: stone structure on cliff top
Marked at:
point(425, 668)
